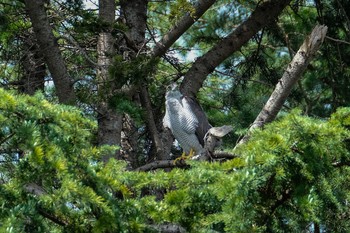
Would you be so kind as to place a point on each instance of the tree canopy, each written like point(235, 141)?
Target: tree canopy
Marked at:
point(82, 86)
point(291, 176)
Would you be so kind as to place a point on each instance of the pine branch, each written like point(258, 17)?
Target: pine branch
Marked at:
point(162, 164)
point(293, 73)
point(6, 138)
point(286, 195)
point(337, 40)
point(52, 217)
point(264, 14)
point(182, 26)
point(181, 163)
point(38, 191)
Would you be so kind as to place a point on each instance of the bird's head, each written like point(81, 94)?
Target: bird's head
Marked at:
point(172, 87)
point(172, 91)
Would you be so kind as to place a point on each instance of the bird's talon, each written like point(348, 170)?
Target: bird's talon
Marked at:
point(184, 156)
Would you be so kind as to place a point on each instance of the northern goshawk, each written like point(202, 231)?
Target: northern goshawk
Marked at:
point(186, 120)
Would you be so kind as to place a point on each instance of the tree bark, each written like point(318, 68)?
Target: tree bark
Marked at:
point(135, 14)
point(151, 124)
point(162, 164)
point(34, 67)
point(109, 121)
point(293, 73)
point(117, 128)
point(52, 54)
point(264, 14)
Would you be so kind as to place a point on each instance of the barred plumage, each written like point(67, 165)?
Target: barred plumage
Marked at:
point(184, 118)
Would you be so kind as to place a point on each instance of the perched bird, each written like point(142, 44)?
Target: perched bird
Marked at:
point(186, 120)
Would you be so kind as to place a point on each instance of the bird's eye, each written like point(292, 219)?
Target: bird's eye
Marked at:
point(171, 87)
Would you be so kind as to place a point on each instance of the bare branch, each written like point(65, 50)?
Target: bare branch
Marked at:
point(51, 217)
point(6, 138)
point(146, 102)
point(181, 163)
point(223, 155)
point(162, 164)
point(292, 74)
point(71, 40)
point(337, 40)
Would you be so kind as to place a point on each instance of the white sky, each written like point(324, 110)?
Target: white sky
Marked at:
point(90, 3)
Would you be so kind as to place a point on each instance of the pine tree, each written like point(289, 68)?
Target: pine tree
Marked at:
point(114, 66)
point(290, 175)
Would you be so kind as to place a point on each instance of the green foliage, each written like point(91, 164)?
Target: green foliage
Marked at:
point(128, 72)
point(178, 8)
point(122, 104)
point(49, 147)
point(10, 23)
point(131, 71)
point(292, 166)
point(291, 174)
point(169, 12)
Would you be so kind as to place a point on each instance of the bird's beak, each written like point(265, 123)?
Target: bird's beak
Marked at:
point(171, 87)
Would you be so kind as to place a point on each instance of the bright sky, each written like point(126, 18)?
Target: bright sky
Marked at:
point(90, 3)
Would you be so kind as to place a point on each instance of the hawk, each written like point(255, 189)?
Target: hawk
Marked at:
point(186, 120)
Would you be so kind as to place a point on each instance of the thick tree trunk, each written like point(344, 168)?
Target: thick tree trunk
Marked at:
point(135, 14)
point(49, 47)
point(117, 128)
point(264, 14)
point(109, 121)
point(293, 73)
